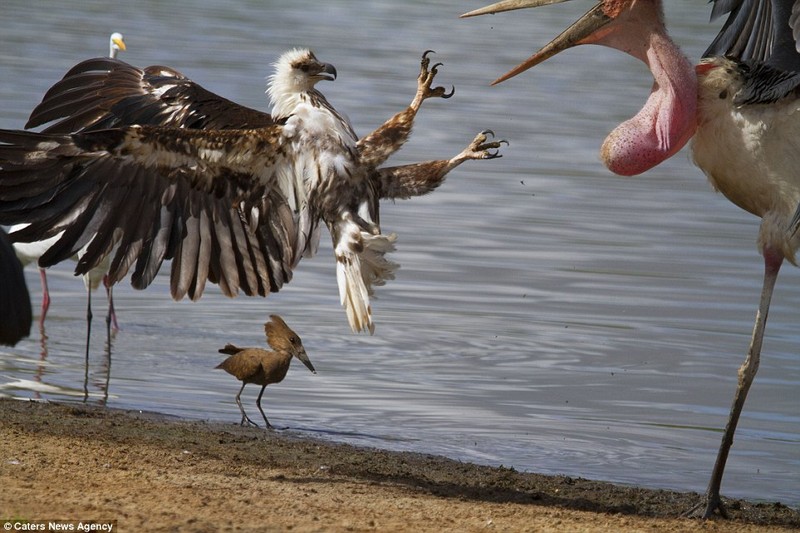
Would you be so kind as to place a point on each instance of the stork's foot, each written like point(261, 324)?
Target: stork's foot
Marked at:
point(481, 148)
point(425, 80)
point(706, 509)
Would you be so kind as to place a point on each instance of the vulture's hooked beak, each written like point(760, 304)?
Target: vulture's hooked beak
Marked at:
point(327, 72)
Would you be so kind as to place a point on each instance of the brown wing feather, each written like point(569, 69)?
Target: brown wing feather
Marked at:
point(154, 194)
point(107, 93)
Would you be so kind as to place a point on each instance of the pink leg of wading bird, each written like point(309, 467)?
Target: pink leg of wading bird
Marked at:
point(45, 297)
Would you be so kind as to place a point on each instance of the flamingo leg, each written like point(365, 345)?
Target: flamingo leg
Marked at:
point(747, 372)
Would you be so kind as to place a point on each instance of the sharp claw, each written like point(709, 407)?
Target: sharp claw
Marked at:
point(488, 147)
point(425, 79)
point(490, 150)
point(479, 148)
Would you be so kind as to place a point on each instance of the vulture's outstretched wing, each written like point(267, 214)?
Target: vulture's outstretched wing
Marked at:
point(225, 206)
point(107, 93)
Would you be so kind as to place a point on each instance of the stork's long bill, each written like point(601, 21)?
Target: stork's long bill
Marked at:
point(668, 119)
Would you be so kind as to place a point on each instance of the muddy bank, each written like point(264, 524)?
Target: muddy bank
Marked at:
point(148, 472)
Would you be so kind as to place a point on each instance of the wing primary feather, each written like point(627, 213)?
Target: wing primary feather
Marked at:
point(244, 258)
point(228, 268)
point(131, 214)
point(150, 262)
point(184, 264)
point(203, 255)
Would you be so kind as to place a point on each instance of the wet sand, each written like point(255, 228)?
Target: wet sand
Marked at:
point(147, 472)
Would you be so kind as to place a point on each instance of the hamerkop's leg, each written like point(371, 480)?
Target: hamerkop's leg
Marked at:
point(239, 403)
point(258, 403)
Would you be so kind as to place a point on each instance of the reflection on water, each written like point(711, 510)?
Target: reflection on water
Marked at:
point(96, 374)
point(548, 315)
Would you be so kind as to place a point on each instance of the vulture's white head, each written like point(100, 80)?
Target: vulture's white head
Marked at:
point(296, 73)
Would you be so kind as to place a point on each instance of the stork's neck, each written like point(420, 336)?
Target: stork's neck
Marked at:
point(668, 119)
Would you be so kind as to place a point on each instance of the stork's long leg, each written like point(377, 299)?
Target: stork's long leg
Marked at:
point(258, 403)
point(747, 372)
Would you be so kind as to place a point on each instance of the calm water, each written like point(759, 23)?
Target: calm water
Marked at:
point(548, 315)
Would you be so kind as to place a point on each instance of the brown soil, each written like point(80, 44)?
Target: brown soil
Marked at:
point(151, 473)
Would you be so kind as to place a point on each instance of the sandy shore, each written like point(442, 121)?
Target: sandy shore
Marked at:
point(144, 472)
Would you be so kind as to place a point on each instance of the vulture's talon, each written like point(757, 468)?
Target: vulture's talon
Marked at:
point(425, 81)
point(492, 154)
point(479, 148)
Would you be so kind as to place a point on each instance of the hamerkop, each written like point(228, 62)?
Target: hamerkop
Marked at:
point(262, 367)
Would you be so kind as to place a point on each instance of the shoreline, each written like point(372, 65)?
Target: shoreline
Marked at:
point(153, 472)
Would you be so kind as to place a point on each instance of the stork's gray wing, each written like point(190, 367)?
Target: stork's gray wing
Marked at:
point(765, 31)
point(221, 204)
point(106, 93)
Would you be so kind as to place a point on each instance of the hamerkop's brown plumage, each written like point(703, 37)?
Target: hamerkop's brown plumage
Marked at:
point(262, 367)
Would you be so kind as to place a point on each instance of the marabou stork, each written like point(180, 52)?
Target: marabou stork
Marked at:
point(740, 104)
